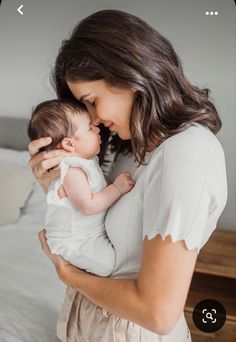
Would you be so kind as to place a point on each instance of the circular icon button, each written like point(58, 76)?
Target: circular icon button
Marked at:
point(209, 315)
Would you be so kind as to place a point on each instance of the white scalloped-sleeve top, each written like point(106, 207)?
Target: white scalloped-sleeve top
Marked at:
point(182, 191)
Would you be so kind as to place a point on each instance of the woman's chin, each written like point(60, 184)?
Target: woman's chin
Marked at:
point(123, 136)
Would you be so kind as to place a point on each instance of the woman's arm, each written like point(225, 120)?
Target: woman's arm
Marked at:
point(155, 300)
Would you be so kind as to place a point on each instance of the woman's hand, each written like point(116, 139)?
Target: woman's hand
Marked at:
point(62, 267)
point(40, 163)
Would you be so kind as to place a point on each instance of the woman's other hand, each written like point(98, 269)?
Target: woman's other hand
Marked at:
point(42, 162)
point(63, 268)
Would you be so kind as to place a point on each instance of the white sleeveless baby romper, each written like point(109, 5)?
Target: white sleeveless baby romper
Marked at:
point(81, 239)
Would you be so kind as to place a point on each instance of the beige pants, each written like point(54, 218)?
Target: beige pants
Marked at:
point(81, 320)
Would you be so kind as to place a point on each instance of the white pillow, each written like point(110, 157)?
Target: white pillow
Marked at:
point(36, 201)
point(9, 156)
point(16, 185)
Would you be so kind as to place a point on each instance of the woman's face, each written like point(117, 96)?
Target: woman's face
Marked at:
point(105, 104)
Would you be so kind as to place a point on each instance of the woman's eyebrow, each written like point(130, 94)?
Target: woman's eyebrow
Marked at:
point(83, 97)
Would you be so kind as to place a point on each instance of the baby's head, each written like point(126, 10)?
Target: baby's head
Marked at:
point(69, 126)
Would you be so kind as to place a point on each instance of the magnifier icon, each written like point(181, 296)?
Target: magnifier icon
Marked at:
point(209, 316)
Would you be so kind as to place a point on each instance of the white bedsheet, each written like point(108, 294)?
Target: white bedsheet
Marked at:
point(30, 292)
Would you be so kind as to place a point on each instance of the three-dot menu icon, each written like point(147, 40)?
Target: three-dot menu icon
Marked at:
point(211, 12)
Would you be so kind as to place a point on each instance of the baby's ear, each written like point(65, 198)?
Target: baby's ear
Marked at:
point(67, 144)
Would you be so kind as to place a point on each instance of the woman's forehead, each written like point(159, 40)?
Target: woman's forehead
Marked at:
point(83, 88)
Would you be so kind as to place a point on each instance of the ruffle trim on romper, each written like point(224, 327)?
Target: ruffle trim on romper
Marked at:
point(87, 165)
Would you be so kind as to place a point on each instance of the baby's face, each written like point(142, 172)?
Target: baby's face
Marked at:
point(86, 139)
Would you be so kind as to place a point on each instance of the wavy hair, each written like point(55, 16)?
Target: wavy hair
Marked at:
point(126, 52)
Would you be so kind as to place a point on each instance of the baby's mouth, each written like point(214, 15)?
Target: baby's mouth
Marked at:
point(111, 127)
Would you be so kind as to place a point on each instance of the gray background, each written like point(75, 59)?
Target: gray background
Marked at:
point(205, 44)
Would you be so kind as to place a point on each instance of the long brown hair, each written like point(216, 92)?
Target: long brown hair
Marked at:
point(126, 52)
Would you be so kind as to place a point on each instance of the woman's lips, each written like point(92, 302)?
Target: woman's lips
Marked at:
point(111, 127)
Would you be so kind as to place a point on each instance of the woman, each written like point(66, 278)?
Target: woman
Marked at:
point(131, 81)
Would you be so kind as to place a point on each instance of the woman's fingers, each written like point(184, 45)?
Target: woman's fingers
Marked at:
point(44, 161)
point(40, 169)
point(38, 158)
point(53, 174)
point(58, 261)
point(35, 145)
point(43, 242)
point(48, 177)
point(44, 246)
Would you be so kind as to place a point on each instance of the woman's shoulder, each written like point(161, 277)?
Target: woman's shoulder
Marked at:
point(195, 142)
point(186, 184)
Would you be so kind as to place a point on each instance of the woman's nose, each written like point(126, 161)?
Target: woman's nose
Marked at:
point(95, 120)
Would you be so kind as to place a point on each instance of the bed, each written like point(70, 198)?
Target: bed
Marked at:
point(30, 292)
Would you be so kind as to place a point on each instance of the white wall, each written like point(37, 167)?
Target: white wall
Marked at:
point(205, 44)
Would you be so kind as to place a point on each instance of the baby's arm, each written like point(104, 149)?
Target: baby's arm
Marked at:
point(79, 192)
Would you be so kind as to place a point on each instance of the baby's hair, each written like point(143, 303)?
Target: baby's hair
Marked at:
point(54, 119)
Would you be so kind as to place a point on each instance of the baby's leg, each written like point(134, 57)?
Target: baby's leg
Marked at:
point(94, 254)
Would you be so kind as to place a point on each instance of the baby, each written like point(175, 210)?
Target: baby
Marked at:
point(78, 200)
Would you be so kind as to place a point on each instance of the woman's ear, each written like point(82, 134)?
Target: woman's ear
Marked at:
point(68, 144)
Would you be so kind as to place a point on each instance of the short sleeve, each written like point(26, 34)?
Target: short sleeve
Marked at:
point(185, 190)
point(87, 165)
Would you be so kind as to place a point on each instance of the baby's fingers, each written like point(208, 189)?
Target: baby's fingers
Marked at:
point(128, 178)
point(125, 174)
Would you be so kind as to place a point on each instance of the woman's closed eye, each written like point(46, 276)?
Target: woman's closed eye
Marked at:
point(93, 103)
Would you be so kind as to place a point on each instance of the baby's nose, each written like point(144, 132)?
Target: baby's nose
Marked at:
point(97, 129)
point(95, 120)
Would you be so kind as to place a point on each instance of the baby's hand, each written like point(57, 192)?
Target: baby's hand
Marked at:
point(124, 182)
